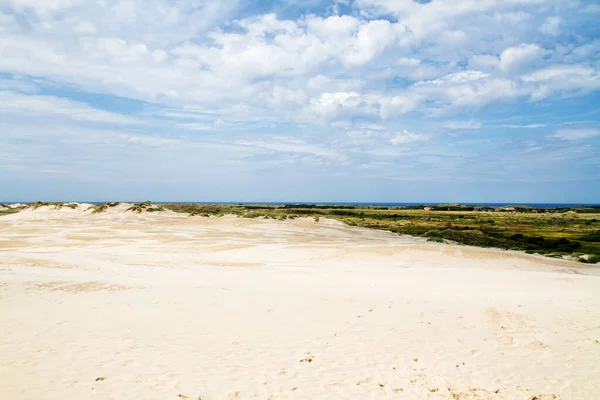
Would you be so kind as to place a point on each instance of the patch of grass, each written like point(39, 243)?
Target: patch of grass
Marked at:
point(145, 206)
point(38, 204)
point(99, 208)
point(8, 211)
point(252, 214)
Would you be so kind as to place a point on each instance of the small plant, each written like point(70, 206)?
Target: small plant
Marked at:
point(317, 218)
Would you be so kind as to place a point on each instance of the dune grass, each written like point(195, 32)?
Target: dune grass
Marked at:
point(557, 232)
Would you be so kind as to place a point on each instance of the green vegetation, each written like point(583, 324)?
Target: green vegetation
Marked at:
point(56, 205)
point(99, 208)
point(436, 239)
point(6, 210)
point(555, 232)
point(145, 206)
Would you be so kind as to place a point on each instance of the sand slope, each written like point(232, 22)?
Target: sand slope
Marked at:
point(163, 306)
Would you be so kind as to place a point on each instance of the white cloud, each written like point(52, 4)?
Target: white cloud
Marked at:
point(343, 104)
point(463, 125)
point(470, 89)
point(551, 26)
point(576, 134)
point(304, 69)
point(406, 137)
point(563, 79)
point(290, 146)
point(372, 39)
point(43, 6)
point(483, 62)
point(529, 126)
point(512, 17)
point(36, 105)
point(408, 62)
point(525, 57)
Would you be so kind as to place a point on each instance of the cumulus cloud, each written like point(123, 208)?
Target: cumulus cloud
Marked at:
point(515, 60)
point(352, 81)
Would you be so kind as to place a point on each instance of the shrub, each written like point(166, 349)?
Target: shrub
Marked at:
point(591, 259)
point(252, 214)
point(471, 237)
point(436, 239)
point(591, 237)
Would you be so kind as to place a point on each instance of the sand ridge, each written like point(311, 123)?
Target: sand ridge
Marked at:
point(162, 305)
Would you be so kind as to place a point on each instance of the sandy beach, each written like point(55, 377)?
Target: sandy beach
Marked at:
point(160, 305)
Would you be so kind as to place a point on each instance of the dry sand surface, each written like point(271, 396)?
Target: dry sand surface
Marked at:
point(164, 306)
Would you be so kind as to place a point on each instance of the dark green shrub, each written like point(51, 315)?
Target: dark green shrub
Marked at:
point(436, 239)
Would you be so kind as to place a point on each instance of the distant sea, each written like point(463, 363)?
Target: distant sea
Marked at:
point(278, 203)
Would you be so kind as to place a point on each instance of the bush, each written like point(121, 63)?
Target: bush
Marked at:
point(591, 237)
point(471, 237)
point(252, 214)
point(592, 259)
point(436, 239)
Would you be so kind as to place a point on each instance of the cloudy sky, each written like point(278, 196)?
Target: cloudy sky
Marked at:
point(300, 100)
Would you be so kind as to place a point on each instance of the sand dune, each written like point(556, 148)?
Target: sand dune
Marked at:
point(119, 305)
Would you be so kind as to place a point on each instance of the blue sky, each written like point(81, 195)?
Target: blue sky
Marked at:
point(364, 100)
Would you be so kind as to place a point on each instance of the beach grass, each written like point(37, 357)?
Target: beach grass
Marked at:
point(572, 232)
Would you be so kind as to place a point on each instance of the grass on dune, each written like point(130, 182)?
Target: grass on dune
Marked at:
point(556, 232)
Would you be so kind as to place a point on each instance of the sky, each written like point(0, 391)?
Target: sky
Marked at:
point(300, 100)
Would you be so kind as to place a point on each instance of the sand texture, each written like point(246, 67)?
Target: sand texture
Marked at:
point(165, 306)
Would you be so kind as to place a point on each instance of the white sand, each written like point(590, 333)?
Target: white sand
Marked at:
point(163, 305)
